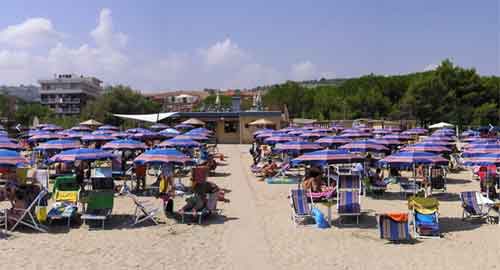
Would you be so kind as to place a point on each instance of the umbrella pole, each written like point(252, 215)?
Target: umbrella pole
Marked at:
point(329, 200)
point(414, 179)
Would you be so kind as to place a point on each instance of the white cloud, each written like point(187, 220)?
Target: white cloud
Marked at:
point(223, 64)
point(430, 67)
point(30, 33)
point(304, 70)
point(103, 34)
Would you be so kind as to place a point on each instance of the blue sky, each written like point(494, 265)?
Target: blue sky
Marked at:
point(162, 45)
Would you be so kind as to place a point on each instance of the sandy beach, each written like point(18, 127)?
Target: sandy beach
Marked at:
point(255, 232)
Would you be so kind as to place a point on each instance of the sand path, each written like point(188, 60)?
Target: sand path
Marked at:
point(245, 241)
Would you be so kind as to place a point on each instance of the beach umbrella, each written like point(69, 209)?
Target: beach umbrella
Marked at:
point(108, 127)
point(264, 130)
point(170, 132)
point(296, 132)
point(415, 131)
point(381, 131)
point(478, 150)
point(200, 130)
point(311, 135)
point(147, 136)
point(332, 141)
point(439, 138)
point(324, 157)
point(196, 137)
point(389, 142)
point(438, 141)
point(427, 147)
point(120, 135)
point(91, 122)
point(75, 135)
point(96, 138)
point(103, 132)
point(178, 142)
point(441, 125)
point(286, 130)
point(443, 133)
point(3, 133)
point(50, 127)
point(261, 122)
point(194, 122)
point(163, 156)
point(183, 126)
point(479, 143)
point(279, 139)
point(355, 133)
point(400, 137)
point(9, 158)
point(59, 145)
point(125, 144)
point(42, 137)
point(85, 154)
point(158, 126)
point(2, 127)
point(297, 146)
point(7, 144)
point(321, 130)
point(408, 159)
point(363, 146)
point(81, 128)
point(483, 160)
point(137, 130)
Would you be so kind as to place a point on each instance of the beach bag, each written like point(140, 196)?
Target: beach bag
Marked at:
point(319, 218)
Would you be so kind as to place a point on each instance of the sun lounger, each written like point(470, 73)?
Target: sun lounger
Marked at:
point(27, 216)
point(394, 227)
point(437, 179)
point(348, 204)
point(475, 205)
point(301, 208)
point(99, 205)
point(144, 211)
point(425, 216)
point(65, 194)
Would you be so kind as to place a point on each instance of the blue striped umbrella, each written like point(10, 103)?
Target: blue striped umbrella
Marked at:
point(176, 142)
point(10, 145)
point(96, 138)
point(332, 141)
point(428, 147)
point(297, 147)
point(81, 154)
point(478, 150)
point(163, 156)
point(125, 144)
point(483, 160)
point(59, 145)
point(407, 159)
point(363, 146)
point(9, 158)
point(324, 157)
point(108, 127)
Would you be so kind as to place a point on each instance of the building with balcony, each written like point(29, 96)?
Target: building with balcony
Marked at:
point(67, 94)
point(178, 101)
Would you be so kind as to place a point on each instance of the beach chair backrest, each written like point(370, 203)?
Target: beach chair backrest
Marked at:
point(99, 200)
point(393, 230)
point(348, 202)
point(349, 181)
point(300, 204)
point(469, 201)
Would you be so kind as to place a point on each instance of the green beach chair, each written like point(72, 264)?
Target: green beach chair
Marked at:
point(99, 205)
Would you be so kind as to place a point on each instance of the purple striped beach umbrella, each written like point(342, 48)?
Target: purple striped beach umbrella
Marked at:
point(183, 126)
point(195, 137)
point(481, 149)
point(9, 158)
point(108, 127)
point(323, 157)
point(381, 131)
point(125, 144)
point(120, 135)
point(355, 135)
point(52, 128)
point(311, 135)
point(400, 137)
point(389, 142)
point(407, 159)
point(170, 132)
point(146, 136)
point(415, 131)
point(163, 156)
point(81, 128)
point(483, 160)
point(158, 126)
point(280, 139)
point(179, 142)
point(81, 154)
point(63, 144)
point(364, 146)
point(45, 137)
point(332, 141)
point(297, 146)
point(137, 130)
point(427, 147)
point(7, 144)
point(97, 138)
point(264, 130)
point(103, 132)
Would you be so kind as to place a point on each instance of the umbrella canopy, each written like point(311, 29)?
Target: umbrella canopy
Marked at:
point(407, 159)
point(400, 137)
point(97, 138)
point(196, 137)
point(262, 122)
point(324, 157)
point(481, 149)
point(2, 127)
point(147, 136)
point(382, 131)
point(178, 142)
point(332, 140)
point(415, 131)
point(358, 134)
point(311, 135)
point(81, 154)
point(75, 135)
point(194, 122)
point(387, 141)
point(439, 138)
point(91, 122)
point(108, 127)
point(51, 127)
point(158, 126)
point(11, 158)
point(170, 132)
point(201, 130)
point(126, 144)
point(441, 125)
point(183, 126)
point(103, 132)
point(81, 128)
point(137, 130)
point(279, 139)
point(120, 135)
point(264, 130)
point(363, 146)
point(59, 145)
point(45, 137)
point(483, 160)
point(297, 146)
point(428, 147)
point(163, 156)
point(9, 145)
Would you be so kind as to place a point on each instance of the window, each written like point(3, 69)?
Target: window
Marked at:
point(230, 127)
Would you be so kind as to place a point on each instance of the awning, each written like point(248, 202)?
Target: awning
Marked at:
point(152, 118)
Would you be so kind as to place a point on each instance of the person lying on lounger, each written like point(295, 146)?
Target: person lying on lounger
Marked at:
point(313, 181)
point(198, 200)
point(269, 169)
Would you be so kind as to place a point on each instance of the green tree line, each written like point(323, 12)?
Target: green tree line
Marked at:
point(449, 93)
